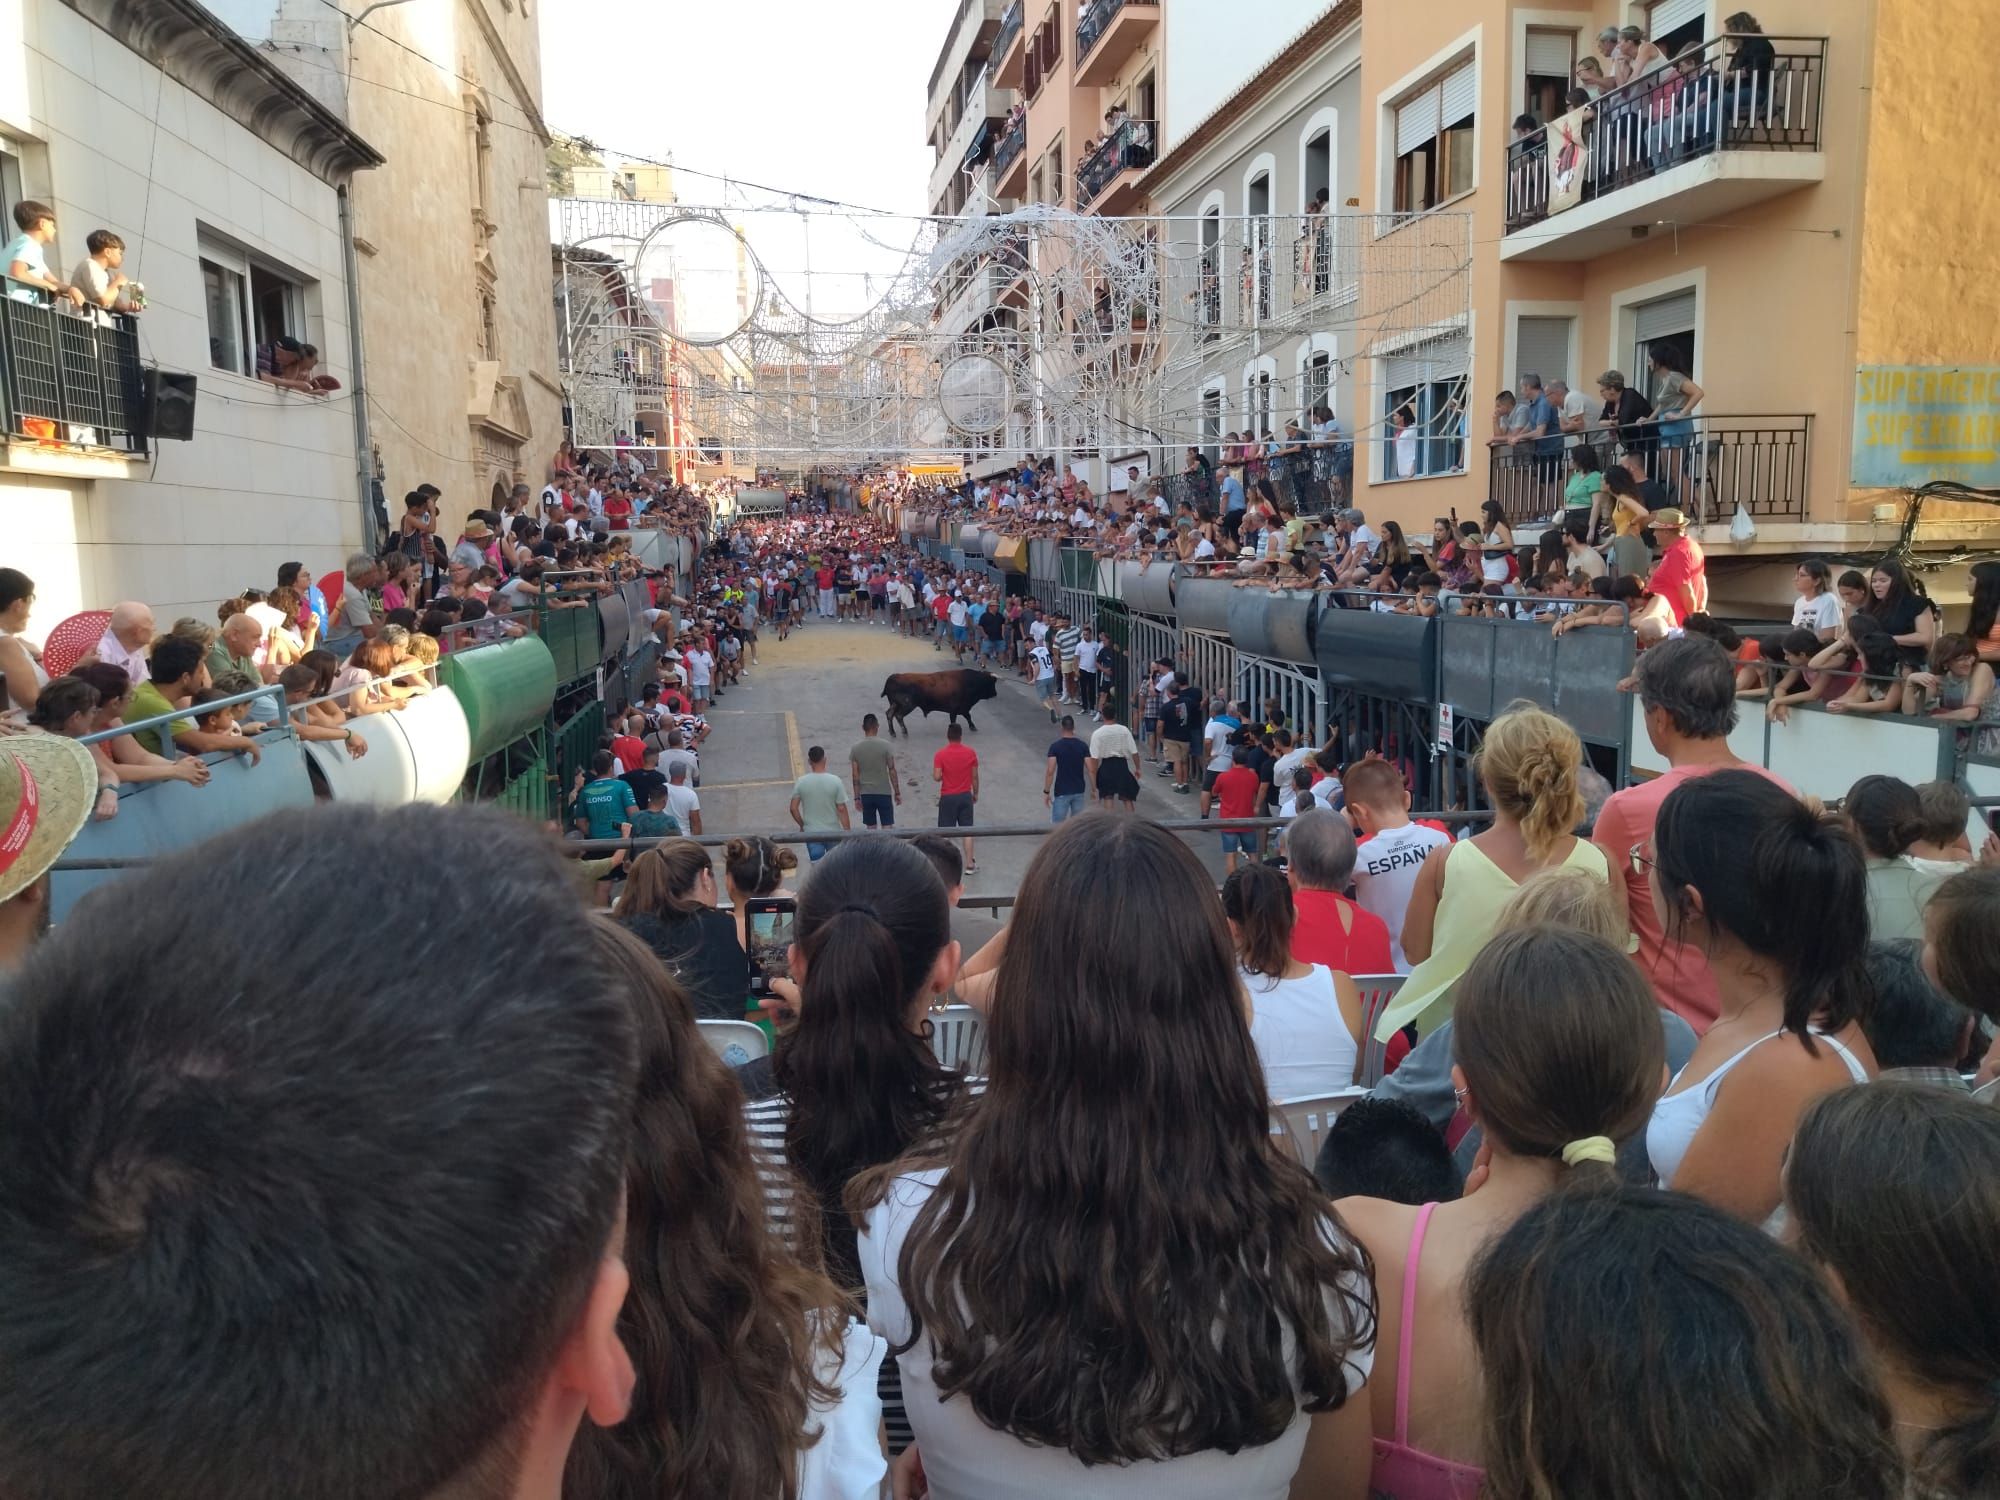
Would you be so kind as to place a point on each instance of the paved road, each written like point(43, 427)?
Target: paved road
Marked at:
point(813, 690)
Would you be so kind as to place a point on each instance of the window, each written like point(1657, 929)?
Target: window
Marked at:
point(1428, 384)
point(1258, 246)
point(1057, 192)
point(1550, 66)
point(482, 162)
point(1668, 321)
point(1319, 382)
point(1142, 99)
point(249, 302)
point(1211, 423)
point(1211, 271)
point(1434, 140)
point(11, 191)
point(1671, 23)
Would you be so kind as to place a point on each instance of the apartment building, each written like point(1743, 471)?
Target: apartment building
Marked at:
point(228, 184)
point(1252, 188)
point(1777, 212)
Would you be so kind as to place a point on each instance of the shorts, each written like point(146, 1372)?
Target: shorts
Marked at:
point(1240, 843)
point(1177, 757)
point(955, 811)
point(958, 635)
point(878, 810)
point(1148, 724)
point(1068, 665)
point(1114, 779)
point(1208, 779)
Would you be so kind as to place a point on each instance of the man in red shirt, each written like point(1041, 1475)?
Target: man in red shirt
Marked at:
point(823, 581)
point(1681, 576)
point(1687, 689)
point(1331, 929)
point(955, 769)
point(1235, 793)
point(627, 745)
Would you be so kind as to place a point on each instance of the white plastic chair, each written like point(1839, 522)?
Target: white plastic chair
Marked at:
point(1305, 1121)
point(735, 1042)
point(1377, 990)
point(958, 1037)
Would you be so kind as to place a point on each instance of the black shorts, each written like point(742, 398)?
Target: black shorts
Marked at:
point(1208, 780)
point(1114, 779)
point(955, 811)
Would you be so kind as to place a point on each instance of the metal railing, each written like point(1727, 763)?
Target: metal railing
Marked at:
point(1096, 20)
point(67, 377)
point(1130, 145)
point(1010, 29)
point(1700, 103)
point(1013, 141)
point(1758, 462)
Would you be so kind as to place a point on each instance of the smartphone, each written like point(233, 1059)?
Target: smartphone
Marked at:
point(769, 922)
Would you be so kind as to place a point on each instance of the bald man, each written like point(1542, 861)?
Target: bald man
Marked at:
point(126, 640)
point(235, 650)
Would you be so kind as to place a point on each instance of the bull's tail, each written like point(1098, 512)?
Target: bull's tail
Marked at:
point(886, 683)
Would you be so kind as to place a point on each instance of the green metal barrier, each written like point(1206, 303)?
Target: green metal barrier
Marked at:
point(574, 638)
point(571, 745)
point(529, 793)
point(505, 690)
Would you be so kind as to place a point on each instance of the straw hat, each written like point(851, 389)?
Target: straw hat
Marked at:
point(476, 527)
point(47, 786)
point(1666, 519)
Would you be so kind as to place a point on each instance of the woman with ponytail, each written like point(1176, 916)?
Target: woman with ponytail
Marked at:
point(1887, 816)
point(669, 905)
point(754, 1381)
point(1528, 763)
point(755, 866)
point(858, 1084)
point(1305, 1019)
point(1776, 896)
point(1559, 1056)
point(1894, 1191)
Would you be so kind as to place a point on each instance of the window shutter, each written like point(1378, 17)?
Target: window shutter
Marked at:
point(1440, 359)
point(1541, 347)
point(1416, 120)
point(1551, 54)
point(1459, 91)
point(1654, 320)
point(1668, 15)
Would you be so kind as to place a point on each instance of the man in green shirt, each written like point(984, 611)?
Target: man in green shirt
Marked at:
point(872, 763)
point(235, 650)
point(178, 673)
point(819, 802)
point(605, 804)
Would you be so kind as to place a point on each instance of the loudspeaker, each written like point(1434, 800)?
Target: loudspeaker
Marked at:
point(170, 405)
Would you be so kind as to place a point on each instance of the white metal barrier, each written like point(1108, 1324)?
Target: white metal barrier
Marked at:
point(1211, 661)
point(1822, 754)
point(1295, 689)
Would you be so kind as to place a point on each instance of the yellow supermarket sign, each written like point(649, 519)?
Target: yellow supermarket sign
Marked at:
point(1915, 423)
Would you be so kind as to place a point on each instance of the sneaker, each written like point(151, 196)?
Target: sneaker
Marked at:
point(1181, 787)
point(972, 869)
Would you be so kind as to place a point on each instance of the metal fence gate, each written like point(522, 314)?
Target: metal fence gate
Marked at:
point(1294, 691)
point(1211, 662)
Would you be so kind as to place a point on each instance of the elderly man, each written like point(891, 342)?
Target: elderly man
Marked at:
point(1356, 548)
point(235, 650)
point(1331, 929)
point(126, 639)
point(355, 620)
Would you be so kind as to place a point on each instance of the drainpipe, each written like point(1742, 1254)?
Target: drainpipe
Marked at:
point(364, 450)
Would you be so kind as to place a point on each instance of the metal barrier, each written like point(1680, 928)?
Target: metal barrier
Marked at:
point(1295, 691)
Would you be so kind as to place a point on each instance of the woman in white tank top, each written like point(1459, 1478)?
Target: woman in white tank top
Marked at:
point(1304, 1018)
point(1777, 898)
point(21, 676)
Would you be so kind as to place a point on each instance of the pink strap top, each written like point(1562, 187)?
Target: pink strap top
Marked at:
point(1401, 1472)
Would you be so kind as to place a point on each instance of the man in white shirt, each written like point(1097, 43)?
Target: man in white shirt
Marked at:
point(959, 615)
point(1392, 849)
point(1572, 411)
point(1219, 735)
point(701, 669)
point(1291, 755)
point(126, 640)
point(1087, 651)
point(682, 800)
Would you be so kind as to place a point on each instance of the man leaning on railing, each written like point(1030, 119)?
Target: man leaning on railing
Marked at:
point(27, 257)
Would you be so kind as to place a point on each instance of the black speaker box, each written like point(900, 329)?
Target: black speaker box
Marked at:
point(170, 405)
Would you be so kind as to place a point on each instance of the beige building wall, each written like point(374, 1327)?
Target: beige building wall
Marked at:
point(453, 234)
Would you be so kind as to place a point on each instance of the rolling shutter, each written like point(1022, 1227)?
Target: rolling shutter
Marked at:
point(1440, 359)
point(1655, 320)
point(1417, 120)
point(1551, 54)
point(1459, 92)
point(1541, 347)
point(1670, 15)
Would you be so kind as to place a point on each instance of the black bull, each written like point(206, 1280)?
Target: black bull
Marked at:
point(952, 693)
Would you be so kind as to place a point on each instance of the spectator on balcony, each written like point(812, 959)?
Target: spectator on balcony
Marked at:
point(1599, 71)
point(1681, 576)
point(100, 278)
point(1591, 82)
point(126, 639)
point(27, 256)
point(1508, 417)
point(1540, 426)
point(1637, 54)
point(178, 673)
point(1627, 413)
point(1752, 59)
point(1674, 393)
point(1878, 687)
point(1902, 610)
point(288, 364)
point(1983, 622)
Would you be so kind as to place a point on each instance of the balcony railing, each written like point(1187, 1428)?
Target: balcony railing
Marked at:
point(1705, 101)
point(1013, 141)
point(1130, 145)
point(1096, 20)
point(1010, 28)
point(1758, 462)
point(69, 379)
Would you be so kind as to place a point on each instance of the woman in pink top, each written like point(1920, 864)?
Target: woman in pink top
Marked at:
point(1560, 1054)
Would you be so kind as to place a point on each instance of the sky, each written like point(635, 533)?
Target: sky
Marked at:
point(806, 97)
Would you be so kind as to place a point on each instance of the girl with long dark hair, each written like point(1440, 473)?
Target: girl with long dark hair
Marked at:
point(1776, 896)
point(1112, 1281)
point(1901, 606)
point(754, 1382)
point(1983, 623)
point(1895, 1192)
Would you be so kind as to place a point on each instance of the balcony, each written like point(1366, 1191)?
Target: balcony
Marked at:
point(1107, 180)
point(69, 380)
point(1758, 462)
point(1007, 173)
point(1697, 140)
point(1008, 52)
point(1107, 33)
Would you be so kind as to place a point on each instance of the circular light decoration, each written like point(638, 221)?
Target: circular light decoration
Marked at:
point(698, 280)
point(974, 393)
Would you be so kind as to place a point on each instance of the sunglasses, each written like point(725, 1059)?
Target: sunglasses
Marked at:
point(1640, 860)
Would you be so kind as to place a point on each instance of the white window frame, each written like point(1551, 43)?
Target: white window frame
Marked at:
point(1470, 45)
point(1624, 319)
point(1326, 119)
point(1518, 24)
point(1377, 425)
point(1263, 365)
point(230, 256)
point(1316, 344)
